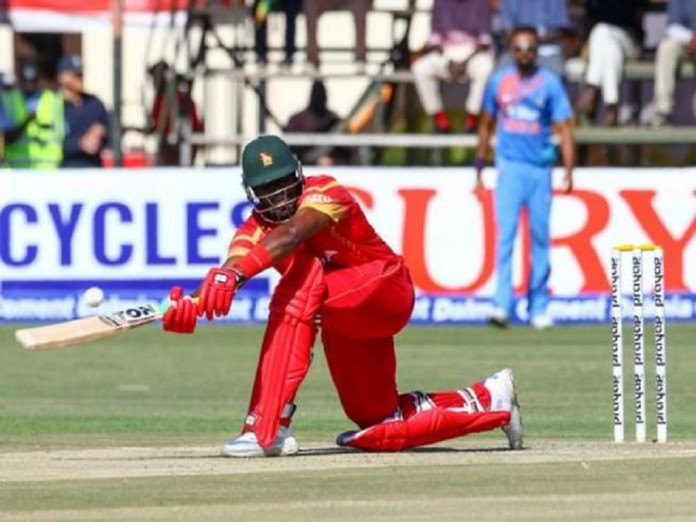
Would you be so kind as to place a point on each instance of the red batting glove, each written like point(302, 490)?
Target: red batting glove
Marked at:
point(217, 292)
point(181, 316)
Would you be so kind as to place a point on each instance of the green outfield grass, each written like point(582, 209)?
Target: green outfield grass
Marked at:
point(180, 397)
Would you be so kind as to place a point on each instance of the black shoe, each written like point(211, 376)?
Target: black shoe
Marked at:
point(497, 322)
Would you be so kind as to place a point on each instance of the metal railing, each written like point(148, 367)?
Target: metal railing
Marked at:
point(583, 135)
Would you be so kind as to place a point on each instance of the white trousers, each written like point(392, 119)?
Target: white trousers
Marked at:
point(669, 54)
point(433, 67)
point(609, 48)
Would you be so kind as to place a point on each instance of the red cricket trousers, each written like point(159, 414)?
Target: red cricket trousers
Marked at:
point(364, 308)
point(361, 309)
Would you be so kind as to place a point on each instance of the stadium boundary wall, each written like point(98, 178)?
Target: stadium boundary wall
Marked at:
point(135, 233)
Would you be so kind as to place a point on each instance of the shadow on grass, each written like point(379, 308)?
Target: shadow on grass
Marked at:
point(318, 452)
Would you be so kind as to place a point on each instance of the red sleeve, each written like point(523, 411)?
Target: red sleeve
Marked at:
point(246, 237)
point(325, 194)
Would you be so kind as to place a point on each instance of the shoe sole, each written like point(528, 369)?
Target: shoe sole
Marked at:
point(289, 447)
point(239, 453)
point(513, 429)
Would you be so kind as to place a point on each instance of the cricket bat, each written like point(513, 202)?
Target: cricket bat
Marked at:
point(80, 331)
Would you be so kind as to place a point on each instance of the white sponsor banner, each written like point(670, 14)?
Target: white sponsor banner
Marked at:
point(76, 15)
point(175, 223)
point(28, 20)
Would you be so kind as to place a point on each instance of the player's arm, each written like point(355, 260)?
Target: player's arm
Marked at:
point(182, 314)
point(221, 284)
point(484, 137)
point(561, 116)
point(286, 237)
point(565, 131)
point(489, 110)
point(281, 241)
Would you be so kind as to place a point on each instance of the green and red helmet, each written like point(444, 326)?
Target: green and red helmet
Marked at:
point(272, 178)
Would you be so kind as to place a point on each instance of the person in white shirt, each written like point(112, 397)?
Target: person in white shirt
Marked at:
point(459, 49)
point(616, 36)
point(680, 44)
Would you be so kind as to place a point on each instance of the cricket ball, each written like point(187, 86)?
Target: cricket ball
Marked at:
point(94, 296)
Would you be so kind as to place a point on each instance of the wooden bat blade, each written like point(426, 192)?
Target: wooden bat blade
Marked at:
point(80, 331)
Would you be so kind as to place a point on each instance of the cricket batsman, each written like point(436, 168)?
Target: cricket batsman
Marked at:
point(340, 277)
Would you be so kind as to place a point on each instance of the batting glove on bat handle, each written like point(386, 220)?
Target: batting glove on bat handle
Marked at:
point(217, 292)
point(181, 316)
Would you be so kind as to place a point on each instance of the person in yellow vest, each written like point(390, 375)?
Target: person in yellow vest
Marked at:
point(36, 138)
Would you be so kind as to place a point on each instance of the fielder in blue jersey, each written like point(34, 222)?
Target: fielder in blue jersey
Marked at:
point(527, 103)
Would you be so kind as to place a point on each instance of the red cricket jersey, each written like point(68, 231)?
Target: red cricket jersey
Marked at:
point(349, 240)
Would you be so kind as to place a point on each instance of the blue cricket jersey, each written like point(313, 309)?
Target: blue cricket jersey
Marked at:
point(525, 108)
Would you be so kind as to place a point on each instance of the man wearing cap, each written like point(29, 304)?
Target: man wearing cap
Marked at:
point(86, 119)
point(339, 274)
point(19, 102)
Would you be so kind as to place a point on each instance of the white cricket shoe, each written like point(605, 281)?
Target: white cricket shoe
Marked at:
point(541, 322)
point(247, 445)
point(501, 386)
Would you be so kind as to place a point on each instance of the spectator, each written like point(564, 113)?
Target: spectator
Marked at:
point(525, 100)
point(35, 140)
point(459, 49)
point(86, 119)
point(679, 44)
point(548, 17)
point(6, 123)
point(317, 117)
point(616, 36)
point(15, 119)
point(261, 9)
point(314, 8)
point(172, 101)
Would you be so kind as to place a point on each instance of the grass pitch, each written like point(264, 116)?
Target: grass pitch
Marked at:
point(129, 429)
